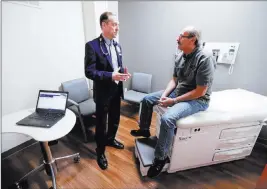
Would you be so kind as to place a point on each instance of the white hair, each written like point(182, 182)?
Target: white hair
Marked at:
point(194, 32)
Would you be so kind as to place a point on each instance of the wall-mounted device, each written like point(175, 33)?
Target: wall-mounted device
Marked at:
point(223, 53)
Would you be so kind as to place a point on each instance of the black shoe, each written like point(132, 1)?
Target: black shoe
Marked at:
point(156, 167)
point(102, 161)
point(116, 144)
point(140, 132)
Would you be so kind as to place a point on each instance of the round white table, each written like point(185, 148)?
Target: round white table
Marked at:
point(43, 135)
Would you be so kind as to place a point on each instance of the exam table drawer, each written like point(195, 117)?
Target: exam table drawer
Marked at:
point(232, 154)
point(240, 132)
point(235, 143)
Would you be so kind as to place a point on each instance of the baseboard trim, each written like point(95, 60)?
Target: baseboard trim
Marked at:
point(18, 148)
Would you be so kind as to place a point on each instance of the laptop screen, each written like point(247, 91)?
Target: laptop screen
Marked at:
point(52, 100)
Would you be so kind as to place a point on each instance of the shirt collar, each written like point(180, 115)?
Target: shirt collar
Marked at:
point(107, 41)
point(191, 54)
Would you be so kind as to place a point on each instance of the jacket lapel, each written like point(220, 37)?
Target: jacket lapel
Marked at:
point(104, 50)
point(118, 52)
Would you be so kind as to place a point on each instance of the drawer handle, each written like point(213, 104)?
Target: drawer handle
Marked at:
point(246, 129)
point(234, 153)
point(237, 140)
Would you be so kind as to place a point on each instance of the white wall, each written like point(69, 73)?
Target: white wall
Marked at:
point(113, 7)
point(91, 14)
point(41, 47)
point(100, 7)
point(89, 20)
point(149, 40)
point(1, 84)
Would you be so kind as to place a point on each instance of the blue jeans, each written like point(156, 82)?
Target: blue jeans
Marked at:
point(168, 119)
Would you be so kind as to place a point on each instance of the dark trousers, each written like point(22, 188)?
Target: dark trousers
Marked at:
point(110, 109)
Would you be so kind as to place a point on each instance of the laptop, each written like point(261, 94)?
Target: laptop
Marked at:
point(50, 108)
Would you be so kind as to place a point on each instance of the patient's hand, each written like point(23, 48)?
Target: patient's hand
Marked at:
point(165, 101)
point(162, 98)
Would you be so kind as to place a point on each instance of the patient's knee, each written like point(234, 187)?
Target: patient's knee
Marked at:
point(168, 121)
point(148, 99)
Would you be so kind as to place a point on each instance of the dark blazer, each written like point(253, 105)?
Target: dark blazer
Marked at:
point(98, 67)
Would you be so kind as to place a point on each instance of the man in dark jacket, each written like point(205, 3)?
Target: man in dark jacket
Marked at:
point(103, 65)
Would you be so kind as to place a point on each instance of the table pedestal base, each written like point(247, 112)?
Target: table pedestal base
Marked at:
point(49, 164)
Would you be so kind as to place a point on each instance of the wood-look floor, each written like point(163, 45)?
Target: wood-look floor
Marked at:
point(123, 170)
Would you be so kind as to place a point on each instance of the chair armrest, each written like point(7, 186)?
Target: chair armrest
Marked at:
point(73, 102)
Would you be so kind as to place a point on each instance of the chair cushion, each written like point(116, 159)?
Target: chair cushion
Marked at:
point(87, 107)
point(141, 82)
point(134, 96)
point(77, 88)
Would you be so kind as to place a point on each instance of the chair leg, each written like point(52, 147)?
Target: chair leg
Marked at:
point(76, 157)
point(82, 125)
point(53, 177)
point(139, 113)
point(83, 129)
point(37, 169)
point(140, 107)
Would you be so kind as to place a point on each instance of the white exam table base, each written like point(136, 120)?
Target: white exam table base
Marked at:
point(203, 146)
point(226, 131)
point(144, 170)
point(211, 145)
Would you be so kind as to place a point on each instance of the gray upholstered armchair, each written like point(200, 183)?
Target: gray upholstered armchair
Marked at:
point(141, 86)
point(80, 100)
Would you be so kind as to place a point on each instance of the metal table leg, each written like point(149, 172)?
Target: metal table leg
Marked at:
point(49, 164)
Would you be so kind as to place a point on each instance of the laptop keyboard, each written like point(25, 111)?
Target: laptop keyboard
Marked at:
point(47, 116)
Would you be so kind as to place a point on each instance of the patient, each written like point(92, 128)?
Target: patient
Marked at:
point(188, 92)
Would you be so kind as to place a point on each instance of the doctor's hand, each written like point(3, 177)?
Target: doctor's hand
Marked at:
point(166, 101)
point(116, 76)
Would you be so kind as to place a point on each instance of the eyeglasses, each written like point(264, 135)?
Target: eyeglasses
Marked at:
point(186, 36)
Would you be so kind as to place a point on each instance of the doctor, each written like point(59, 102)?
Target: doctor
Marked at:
point(103, 65)
point(188, 92)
